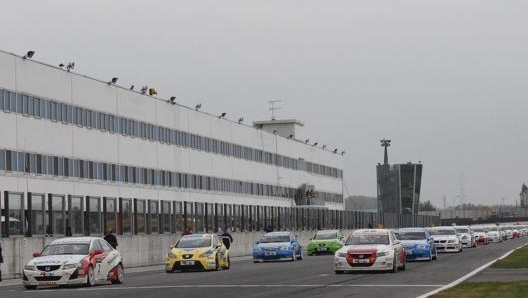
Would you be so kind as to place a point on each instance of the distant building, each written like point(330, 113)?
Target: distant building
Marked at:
point(399, 186)
point(524, 196)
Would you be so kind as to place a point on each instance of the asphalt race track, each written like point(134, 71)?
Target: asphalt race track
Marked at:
point(311, 277)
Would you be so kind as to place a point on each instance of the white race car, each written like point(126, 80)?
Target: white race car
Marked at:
point(370, 249)
point(466, 236)
point(494, 233)
point(71, 261)
point(446, 239)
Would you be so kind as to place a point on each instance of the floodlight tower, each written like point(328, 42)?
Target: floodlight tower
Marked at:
point(385, 143)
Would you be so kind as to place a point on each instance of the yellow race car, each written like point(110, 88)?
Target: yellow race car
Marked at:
point(198, 252)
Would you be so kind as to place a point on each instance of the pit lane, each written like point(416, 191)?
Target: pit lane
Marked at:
point(311, 277)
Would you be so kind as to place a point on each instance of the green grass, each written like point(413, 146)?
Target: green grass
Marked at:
point(518, 259)
point(515, 289)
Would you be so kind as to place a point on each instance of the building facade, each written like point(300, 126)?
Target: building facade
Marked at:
point(399, 187)
point(83, 154)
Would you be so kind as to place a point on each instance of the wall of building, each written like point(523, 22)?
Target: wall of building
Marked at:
point(33, 134)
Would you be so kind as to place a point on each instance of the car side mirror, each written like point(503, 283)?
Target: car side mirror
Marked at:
point(36, 254)
point(172, 246)
point(311, 239)
point(257, 242)
point(397, 242)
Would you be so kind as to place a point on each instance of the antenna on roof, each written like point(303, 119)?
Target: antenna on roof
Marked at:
point(273, 108)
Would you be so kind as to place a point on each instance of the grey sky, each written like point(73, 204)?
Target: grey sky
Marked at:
point(445, 80)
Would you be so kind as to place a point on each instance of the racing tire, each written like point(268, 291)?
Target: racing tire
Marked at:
point(339, 271)
point(435, 257)
point(300, 256)
point(294, 256)
point(120, 275)
point(90, 277)
point(228, 265)
point(29, 287)
point(394, 266)
point(430, 256)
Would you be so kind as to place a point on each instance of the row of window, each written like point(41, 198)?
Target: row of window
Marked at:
point(40, 164)
point(24, 104)
point(57, 214)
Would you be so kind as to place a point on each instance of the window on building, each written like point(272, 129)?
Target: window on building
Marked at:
point(37, 213)
point(110, 214)
point(199, 215)
point(153, 216)
point(178, 217)
point(58, 210)
point(93, 211)
point(14, 205)
point(125, 209)
point(76, 218)
point(140, 213)
point(165, 217)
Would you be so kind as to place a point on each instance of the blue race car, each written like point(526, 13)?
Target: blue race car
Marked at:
point(417, 243)
point(277, 246)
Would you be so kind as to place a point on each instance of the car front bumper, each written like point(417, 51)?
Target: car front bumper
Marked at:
point(380, 264)
point(54, 278)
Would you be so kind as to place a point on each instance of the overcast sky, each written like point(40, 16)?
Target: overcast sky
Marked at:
point(447, 81)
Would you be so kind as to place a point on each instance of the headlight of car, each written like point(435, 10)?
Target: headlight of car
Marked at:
point(207, 253)
point(30, 267)
point(341, 254)
point(451, 241)
point(382, 254)
point(256, 248)
point(71, 266)
point(420, 246)
point(170, 255)
point(285, 248)
point(465, 237)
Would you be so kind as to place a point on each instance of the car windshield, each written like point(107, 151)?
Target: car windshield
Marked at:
point(408, 235)
point(274, 238)
point(66, 249)
point(194, 242)
point(325, 235)
point(462, 230)
point(443, 232)
point(365, 239)
point(479, 230)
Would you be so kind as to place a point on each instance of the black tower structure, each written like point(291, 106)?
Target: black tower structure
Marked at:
point(398, 185)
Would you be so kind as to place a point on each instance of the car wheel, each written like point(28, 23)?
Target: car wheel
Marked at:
point(300, 255)
point(435, 255)
point(294, 256)
point(28, 287)
point(339, 271)
point(120, 272)
point(394, 266)
point(228, 265)
point(90, 277)
point(430, 256)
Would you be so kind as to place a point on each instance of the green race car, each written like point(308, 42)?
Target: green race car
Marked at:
point(325, 242)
